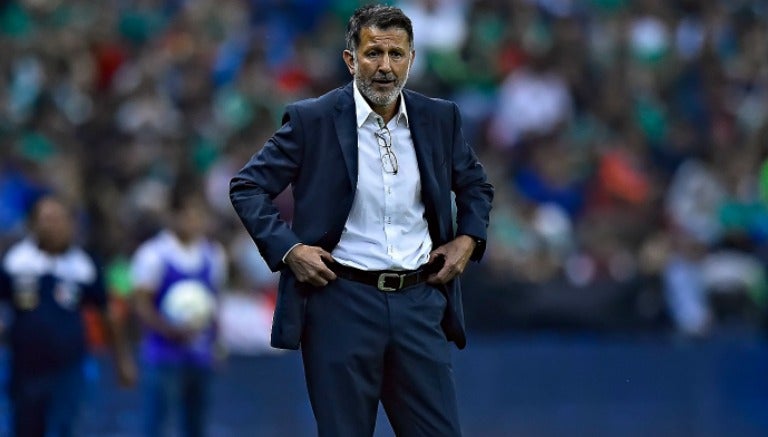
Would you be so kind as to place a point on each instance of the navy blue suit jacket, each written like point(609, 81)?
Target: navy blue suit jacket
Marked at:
point(315, 151)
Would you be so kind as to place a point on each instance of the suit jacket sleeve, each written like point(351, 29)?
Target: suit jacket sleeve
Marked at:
point(474, 193)
point(253, 190)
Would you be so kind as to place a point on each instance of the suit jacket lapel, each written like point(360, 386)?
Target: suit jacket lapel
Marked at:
point(346, 130)
point(421, 125)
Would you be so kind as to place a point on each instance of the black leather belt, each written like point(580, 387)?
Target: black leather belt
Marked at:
point(384, 280)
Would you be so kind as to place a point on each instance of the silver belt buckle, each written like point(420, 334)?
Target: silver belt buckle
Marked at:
point(383, 277)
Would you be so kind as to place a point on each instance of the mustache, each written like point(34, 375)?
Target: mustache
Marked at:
point(384, 77)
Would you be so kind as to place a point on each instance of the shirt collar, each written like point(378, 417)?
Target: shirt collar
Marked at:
point(363, 111)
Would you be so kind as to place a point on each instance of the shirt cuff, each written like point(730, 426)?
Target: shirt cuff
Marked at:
point(289, 251)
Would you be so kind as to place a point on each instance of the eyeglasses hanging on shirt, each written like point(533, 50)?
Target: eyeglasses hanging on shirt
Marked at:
point(384, 138)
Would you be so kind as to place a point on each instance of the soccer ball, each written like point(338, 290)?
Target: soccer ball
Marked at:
point(189, 304)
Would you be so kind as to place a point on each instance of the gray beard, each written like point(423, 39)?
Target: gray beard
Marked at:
point(380, 98)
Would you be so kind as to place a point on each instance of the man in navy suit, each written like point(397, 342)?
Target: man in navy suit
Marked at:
point(369, 286)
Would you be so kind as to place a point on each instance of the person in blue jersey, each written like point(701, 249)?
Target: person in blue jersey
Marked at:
point(46, 279)
point(370, 263)
point(178, 356)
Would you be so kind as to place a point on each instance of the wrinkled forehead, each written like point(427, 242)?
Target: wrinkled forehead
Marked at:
point(393, 37)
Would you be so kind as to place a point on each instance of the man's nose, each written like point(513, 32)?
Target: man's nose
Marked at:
point(385, 65)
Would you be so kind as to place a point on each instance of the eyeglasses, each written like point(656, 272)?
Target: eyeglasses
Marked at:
point(388, 158)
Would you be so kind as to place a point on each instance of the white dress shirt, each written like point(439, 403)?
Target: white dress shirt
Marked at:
point(386, 228)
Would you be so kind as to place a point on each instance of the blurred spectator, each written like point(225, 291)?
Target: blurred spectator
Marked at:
point(533, 101)
point(441, 30)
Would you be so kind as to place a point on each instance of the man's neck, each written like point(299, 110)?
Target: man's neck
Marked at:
point(386, 112)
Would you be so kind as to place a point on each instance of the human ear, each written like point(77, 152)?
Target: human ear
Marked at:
point(349, 59)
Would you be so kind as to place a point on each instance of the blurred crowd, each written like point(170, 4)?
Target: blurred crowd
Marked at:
point(627, 140)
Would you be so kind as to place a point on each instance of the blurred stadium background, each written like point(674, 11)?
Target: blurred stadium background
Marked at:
point(624, 289)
